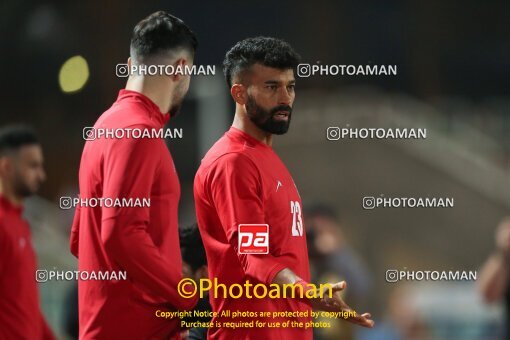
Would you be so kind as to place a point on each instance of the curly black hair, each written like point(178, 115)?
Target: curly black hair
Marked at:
point(271, 52)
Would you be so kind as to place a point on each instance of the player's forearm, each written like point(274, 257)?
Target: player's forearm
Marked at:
point(285, 276)
point(145, 266)
point(494, 277)
point(288, 280)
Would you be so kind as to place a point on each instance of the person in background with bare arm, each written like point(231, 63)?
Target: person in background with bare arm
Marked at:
point(494, 278)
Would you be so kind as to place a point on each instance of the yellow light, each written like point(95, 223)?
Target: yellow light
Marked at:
point(73, 74)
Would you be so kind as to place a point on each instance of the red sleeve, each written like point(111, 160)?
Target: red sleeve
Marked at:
point(129, 170)
point(236, 190)
point(75, 231)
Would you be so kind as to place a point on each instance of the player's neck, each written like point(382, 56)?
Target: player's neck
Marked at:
point(10, 196)
point(152, 91)
point(243, 123)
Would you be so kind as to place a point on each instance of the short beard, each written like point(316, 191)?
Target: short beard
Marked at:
point(263, 118)
point(22, 190)
point(177, 100)
point(174, 110)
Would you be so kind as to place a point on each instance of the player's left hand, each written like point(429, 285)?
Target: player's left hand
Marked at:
point(336, 303)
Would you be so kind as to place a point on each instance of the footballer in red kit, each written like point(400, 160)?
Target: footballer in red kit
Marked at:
point(142, 241)
point(21, 174)
point(242, 181)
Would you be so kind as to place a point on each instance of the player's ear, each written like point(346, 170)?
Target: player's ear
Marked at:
point(238, 92)
point(129, 62)
point(2, 166)
point(5, 166)
point(179, 67)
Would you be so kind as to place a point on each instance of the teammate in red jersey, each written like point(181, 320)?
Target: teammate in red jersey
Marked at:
point(143, 241)
point(241, 180)
point(21, 174)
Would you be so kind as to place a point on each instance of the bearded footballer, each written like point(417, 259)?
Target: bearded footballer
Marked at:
point(242, 184)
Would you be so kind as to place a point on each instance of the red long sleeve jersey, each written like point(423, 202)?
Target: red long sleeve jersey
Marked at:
point(143, 241)
point(243, 181)
point(20, 313)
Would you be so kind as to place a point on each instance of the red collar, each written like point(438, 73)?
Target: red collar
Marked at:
point(240, 135)
point(153, 109)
